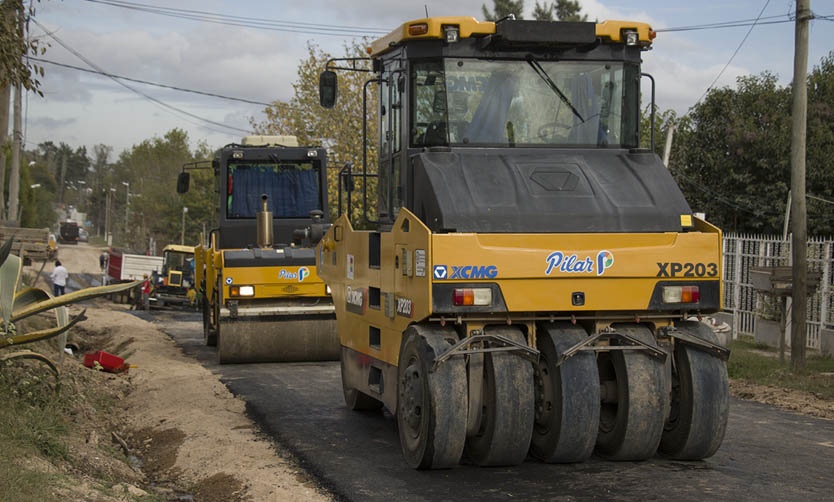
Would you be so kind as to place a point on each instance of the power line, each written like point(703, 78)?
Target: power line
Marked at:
point(156, 84)
point(740, 45)
point(246, 22)
point(135, 91)
point(731, 24)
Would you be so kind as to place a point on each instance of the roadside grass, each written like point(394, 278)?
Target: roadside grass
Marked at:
point(758, 363)
point(34, 430)
point(45, 422)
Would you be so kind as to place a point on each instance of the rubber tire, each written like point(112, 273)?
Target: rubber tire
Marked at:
point(431, 405)
point(567, 397)
point(355, 399)
point(508, 414)
point(700, 399)
point(631, 428)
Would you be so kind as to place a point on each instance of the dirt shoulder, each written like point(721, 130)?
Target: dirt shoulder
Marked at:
point(189, 431)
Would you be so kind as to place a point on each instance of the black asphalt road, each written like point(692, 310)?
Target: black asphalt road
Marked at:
point(768, 454)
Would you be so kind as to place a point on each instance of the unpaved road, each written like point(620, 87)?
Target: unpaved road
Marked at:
point(768, 454)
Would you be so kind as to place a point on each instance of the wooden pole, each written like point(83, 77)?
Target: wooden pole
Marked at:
point(799, 224)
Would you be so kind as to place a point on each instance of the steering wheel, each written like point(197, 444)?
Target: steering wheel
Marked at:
point(552, 129)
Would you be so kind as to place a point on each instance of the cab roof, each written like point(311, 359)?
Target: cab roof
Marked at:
point(434, 28)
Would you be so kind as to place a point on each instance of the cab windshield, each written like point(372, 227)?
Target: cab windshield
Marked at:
point(516, 103)
point(292, 189)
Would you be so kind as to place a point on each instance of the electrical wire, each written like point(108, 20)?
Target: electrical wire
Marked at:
point(140, 93)
point(246, 22)
point(740, 45)
point(156, 84)
point(731, 24)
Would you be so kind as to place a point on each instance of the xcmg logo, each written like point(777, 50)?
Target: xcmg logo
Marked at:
point(465, 272)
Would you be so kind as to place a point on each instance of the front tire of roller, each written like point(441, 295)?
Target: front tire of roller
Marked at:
point(635, 395)
point(507, 416)
point(700, 399)
point(567, 398)
point(431, 405)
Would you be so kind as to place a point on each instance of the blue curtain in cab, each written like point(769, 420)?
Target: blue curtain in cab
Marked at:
point(292, 193)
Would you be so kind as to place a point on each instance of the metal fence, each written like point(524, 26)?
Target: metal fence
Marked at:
point(744, 251)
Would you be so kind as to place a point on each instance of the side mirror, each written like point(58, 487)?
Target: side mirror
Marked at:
point(327, 89)
point(183, 181)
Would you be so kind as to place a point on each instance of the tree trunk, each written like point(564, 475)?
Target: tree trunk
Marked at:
point(5, 99)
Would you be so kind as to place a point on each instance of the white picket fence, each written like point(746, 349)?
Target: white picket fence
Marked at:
point(744, 251)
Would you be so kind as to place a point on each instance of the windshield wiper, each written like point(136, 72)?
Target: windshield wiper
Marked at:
point(537, 67)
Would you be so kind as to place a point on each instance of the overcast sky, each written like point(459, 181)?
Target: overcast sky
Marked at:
point(81, 108)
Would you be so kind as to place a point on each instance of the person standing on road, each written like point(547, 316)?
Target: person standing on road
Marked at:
point(146, 293)
point(102, 261)
point(59, 279)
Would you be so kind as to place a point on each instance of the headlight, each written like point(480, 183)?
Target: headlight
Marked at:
point(452, 34)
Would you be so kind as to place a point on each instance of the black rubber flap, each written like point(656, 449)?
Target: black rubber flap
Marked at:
point(592, 191)
point(538, 33)
point(257, 257)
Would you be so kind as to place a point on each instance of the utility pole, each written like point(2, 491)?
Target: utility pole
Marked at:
point(799, 223)
point(5, 100)
point(17, 138)
point(182, 235)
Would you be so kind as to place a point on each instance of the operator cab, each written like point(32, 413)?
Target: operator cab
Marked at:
point(535, 124)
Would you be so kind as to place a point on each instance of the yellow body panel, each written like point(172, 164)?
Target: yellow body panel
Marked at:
point(375, 303)
point(613, 31)
point(271, 282)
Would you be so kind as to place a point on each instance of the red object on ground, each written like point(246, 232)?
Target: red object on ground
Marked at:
point(108, 362)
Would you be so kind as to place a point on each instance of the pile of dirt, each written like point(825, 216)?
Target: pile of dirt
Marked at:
point(188, 432)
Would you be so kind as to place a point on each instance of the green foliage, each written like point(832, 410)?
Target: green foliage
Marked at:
point(503, 8)
point(338, 129)
point(15, 43)
point(562, 10)
point(155, 211)
point(733, 155)
point(820, 147)
point(732, 152)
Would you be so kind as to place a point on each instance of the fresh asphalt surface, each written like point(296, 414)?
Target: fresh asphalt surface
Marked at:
point(767, 454)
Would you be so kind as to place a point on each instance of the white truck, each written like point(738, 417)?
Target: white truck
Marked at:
point(124, 267)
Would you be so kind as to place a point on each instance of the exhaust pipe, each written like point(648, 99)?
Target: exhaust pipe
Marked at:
point(264, 224)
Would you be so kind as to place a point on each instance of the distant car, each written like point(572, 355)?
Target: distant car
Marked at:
point(83, 235)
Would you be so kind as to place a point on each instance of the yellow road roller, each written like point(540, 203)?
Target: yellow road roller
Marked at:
point(261, 296)
point(531, 280)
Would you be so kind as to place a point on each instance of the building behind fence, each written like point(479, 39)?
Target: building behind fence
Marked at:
point(740, 297)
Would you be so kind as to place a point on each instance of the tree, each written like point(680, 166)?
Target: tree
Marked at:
point(732, 158)
point(149, 171)
point(569, 10)
point(504, 8)
point(338, 129)
point(562, 10)
point(15, 43)
point(15, 71)
point(820, 147)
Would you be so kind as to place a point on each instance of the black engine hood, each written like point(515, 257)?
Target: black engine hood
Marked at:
point(612, 191)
